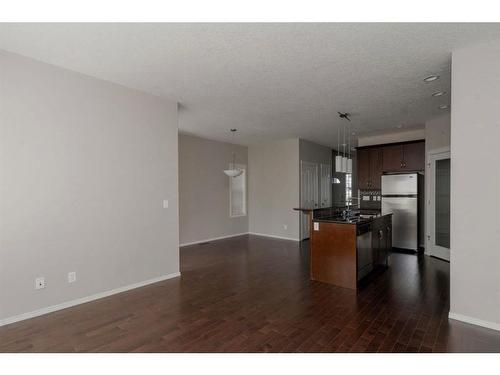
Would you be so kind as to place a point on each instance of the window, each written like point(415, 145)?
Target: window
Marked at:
point(238, 193)
point(348, 187)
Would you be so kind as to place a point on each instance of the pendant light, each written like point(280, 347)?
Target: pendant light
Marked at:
point(338, 158)
point(344, 158)
point(233, 171)
point(349, 159)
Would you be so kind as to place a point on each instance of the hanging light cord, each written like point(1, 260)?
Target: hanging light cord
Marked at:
point(233, 166)
point(338, 141)
point(343, 144)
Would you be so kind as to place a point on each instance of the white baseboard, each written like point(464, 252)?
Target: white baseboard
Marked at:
point(477, 322)
point(212, 239)
point(79, 301)
point(273, 236)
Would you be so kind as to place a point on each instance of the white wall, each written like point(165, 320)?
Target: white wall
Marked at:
point(274, 181)
point(393, 136)
point(438, 133)
point(314, 153)
point(204, 189)
point(475, 185)
point(84, 167)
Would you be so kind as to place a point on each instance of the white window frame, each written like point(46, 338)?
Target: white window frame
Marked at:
point(348, 187)
point(231, 179)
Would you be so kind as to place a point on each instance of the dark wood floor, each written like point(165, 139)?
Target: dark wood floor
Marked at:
point(252, 294)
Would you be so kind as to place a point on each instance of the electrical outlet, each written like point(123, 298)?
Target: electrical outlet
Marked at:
point(285, 227)
point(40, 283)
point(165, 203)
point(71, 277)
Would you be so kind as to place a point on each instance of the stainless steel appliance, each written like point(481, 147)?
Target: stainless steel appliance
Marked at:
point(402, 196)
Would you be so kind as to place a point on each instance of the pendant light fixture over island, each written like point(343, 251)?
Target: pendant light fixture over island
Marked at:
point(233, 171)
point(343, 163)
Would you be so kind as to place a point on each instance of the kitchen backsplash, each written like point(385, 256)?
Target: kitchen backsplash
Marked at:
point(370, 199)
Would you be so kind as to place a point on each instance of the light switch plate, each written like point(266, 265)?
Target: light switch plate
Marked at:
point(165, 203)
point(71, 277)
point(316, 226)
point(40, 283)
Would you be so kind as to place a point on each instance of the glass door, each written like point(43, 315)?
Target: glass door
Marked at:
point(439, 234)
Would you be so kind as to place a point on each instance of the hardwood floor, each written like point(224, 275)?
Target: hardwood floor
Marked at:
point(253, 294)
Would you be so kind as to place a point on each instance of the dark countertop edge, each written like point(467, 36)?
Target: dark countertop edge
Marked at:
point(304, 209)
point(364, 221)
point(334, 207)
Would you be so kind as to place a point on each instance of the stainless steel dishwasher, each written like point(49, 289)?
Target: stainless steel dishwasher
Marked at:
point(364, 249)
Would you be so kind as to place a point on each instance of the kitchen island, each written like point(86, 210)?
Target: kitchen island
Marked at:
point(347, 246)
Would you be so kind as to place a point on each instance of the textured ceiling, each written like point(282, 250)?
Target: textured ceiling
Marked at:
point(268, 80)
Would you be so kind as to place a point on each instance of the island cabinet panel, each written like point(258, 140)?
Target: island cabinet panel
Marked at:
point(333, 254)
point(345, 251)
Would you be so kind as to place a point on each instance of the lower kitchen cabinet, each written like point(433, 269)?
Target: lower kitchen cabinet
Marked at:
point(382, 240)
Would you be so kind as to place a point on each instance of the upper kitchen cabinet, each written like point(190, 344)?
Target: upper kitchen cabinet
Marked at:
point(373, 161)
point(392, 158)
point(376, 168)
point(369, 162)
point(363, 168)
point(414, 156)
point(404, 157)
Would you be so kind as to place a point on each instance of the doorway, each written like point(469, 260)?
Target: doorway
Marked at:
point(325, 186)
point(308, 194)
point(438, 226)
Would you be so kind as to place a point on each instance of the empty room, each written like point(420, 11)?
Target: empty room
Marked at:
point(249, 187)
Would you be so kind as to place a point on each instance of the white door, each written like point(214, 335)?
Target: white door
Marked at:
point(325, 185)
point(308, 194)
point(438, 204)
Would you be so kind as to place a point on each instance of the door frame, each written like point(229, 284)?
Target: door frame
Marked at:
point(304, 234)
point(328, 168)
point(431, 249)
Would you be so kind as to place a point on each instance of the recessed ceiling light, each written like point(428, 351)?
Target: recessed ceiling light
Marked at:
point(399, 126)
point(439, 93)
point(444, 106)
point(431, 78)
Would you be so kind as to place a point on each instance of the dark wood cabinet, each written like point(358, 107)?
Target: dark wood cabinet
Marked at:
point(414, 156)
point(363, 169)
point(392, 158)
point(404, 157)
point(382, 241)
point(373, 161)
point(369, 168)
point(375, 168)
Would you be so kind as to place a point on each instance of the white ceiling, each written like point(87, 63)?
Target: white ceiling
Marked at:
point(268, 80)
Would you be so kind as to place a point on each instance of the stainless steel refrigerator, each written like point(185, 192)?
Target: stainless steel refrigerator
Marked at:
point(402, 196)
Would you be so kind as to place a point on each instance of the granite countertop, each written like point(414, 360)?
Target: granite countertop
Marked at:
point(353, 220)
